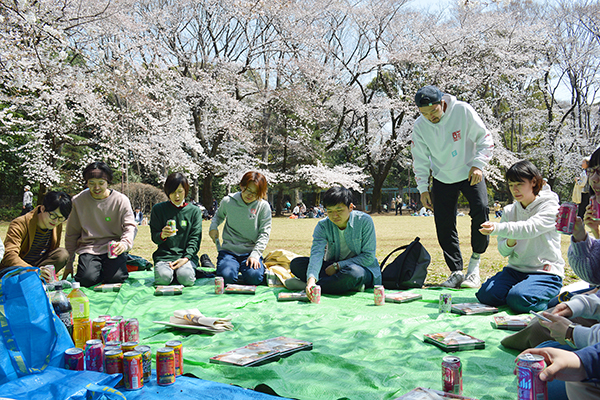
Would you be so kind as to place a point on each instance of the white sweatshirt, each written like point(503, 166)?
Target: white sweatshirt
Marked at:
point(586, 306)
point(451, 147)
point(538, 242)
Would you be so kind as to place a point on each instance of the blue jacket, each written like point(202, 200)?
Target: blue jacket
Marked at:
point(590, 358)
point(360, 238)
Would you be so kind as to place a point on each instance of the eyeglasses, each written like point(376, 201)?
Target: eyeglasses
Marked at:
point(250, 192)
point(591, 171)
point(55, 217)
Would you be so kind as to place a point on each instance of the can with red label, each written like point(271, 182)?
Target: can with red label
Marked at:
point(531, 387)
point(128, 346)
point(113, 362)
point(445, 302)
point(452, 375)
point(130, 329)
point(51, 271)
point(110, 333)
point(315, 294)
point(112, 245)
point(379, 295)
point(105, 317)
point(595, 206)
point(116, 321)
point(178, 349)
point(94, 355)
point(133, 370)
point(566, 218)
point(111, 343)
point(74, 359)
point(146, 360)
point(97, 325)
point(165, 366)
point(219, 285)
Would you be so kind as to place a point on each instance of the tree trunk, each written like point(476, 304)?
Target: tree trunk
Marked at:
point(279, 203)
point(207, 194)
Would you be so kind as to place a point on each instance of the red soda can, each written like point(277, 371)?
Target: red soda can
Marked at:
point(531, 387)
point(113, 362)
point(74, 359)
point(178, 349)
point(97, 325)
point(133, 370)
point(219, 285)
point(379, 295)
point(94, 355)
point(146, 360)
point(452, 375)
point(113, 343)
point(130, 329)
point(52, 271)
point(116, 320)
point(105, 317)
point(566, 218)
point(111, 249)
point(315, 293)
point(112, 348)
point(165, 366)
point(109, 334)
point(128, 346)
point(595, 205)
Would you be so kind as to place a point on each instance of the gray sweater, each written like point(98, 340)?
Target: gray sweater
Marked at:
point(247, 226)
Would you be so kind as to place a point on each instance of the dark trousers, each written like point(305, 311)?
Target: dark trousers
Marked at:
point(585, 200)
point(93, 269)
point(445, 207)
point(349, 277)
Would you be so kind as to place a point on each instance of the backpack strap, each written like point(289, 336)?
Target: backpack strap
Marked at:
point(399, 248)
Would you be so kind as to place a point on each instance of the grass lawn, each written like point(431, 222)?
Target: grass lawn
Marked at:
point(392, 231)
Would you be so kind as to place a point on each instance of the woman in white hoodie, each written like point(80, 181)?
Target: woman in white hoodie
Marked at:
point(528, 237)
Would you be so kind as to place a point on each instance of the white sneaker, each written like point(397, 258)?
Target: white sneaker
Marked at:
point(471, 281)
point(454, 280)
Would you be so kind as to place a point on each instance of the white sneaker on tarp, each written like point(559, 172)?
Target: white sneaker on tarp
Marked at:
point(472, 281)
point(454, 280)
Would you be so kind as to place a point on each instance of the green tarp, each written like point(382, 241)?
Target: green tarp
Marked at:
point(361, 351)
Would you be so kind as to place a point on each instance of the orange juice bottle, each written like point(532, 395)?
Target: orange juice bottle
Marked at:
point(81, 316)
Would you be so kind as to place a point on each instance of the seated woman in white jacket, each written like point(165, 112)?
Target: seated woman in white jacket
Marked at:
point(527, 236)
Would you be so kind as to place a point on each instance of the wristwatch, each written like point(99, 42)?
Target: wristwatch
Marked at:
point(336, 266)
point(569, 336)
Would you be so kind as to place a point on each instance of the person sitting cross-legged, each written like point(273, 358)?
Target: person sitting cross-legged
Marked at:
point(342, 256)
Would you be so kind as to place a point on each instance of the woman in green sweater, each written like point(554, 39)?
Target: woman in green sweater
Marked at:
point(177, 253)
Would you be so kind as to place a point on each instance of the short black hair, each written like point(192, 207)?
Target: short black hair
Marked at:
point(594, 159)
point(525, 170)
point(337, 195)
point(98, 170)
point(60, 200)
point(173, 181)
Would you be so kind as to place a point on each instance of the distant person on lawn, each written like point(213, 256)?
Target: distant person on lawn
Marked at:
point(34, 239)
point(27, 200)
point(100, 215)
point(527, 235)
point(247, 217)
point(177, 253)
point(451, 143)
point(342, 256)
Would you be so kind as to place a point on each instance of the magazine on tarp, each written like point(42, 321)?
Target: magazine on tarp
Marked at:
point(171, 290)
point(473, 308)
point(108, 287)
point(240, 289)
point(260, 352)
point(454, 341)
point(292, 296)
point(402, 297)
point(431, 394)
point(511, 322)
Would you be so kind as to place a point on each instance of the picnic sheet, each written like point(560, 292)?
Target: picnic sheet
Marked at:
point(360, 351)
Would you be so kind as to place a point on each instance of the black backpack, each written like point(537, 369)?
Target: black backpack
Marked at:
point(409, 269)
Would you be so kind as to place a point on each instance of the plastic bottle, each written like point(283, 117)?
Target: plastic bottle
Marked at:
point(63, 308)
point(81, 316)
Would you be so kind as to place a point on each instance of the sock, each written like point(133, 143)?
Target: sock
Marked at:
point(474, 264)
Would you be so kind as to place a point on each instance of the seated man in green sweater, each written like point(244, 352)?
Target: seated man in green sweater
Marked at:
point(177, 253)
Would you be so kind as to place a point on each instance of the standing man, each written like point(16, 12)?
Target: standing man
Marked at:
point(450, 139)
point(100, 215)
point(27, 200)
point(33, 239)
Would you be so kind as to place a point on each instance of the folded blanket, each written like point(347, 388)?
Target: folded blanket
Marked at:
point(194, 317)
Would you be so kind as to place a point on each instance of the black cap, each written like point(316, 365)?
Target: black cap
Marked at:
point(428, 96)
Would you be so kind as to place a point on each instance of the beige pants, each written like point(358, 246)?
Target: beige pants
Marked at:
point(582, 390)
point(57, 257)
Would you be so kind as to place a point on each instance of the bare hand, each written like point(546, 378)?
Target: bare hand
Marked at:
point(558, 326)
point(562, 310)
point(167, 231)
point(487, 228)
point(45, 275)
point(178, 263)
point(119, 249)
point(426, 200)
point(68, 270)
point(214, 235)
point(590, 222)
point(253, 263)
point(562, 364)
point(309, 284)
point(475, 175)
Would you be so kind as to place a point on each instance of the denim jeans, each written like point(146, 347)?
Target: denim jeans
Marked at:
point(164, 274)
point(349, 277)
point(556, 388)
point(229, 265)
point(520, 291)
